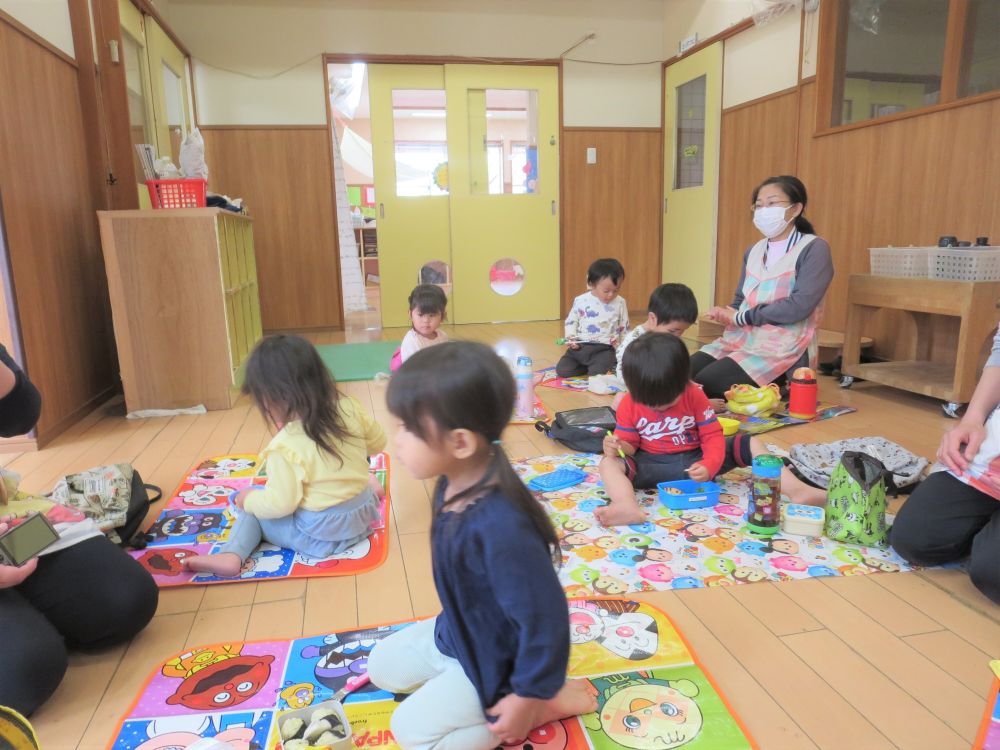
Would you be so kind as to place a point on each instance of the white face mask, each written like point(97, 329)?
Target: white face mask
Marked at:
point(770, 220)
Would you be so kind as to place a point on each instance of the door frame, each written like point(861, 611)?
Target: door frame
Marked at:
point(374, 57)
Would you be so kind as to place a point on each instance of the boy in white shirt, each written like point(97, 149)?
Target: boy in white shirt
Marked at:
point(597, 322)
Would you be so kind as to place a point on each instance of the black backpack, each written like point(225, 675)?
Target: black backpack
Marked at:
point(139, 503)
point(581, 429)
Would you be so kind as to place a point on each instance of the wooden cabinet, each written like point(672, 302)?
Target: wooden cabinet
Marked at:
point(367, 239)
point(954, 324)
point(184, 299)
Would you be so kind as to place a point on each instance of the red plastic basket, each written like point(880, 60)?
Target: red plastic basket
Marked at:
point(177, 193)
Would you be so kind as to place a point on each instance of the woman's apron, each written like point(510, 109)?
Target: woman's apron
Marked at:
point(768, 351)
point(984, 470)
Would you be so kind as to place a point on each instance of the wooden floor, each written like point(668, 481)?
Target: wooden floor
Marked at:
point(879, 661)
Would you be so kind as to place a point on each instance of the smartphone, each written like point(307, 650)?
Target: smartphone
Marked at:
point(26, 540)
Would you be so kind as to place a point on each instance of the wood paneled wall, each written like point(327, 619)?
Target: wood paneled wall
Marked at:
point(52, 237)
point(896, 183)
point(612, 209)
point(286, 177)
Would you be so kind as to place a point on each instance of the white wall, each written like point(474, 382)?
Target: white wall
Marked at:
point(706, 18)
point(47, 18)
point(257, 39)
point(761, 60)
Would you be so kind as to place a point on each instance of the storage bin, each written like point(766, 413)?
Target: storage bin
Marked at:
point(685, 494)
point(905, 262)
point(344, 742)
point(965, 263)
point(177, 193)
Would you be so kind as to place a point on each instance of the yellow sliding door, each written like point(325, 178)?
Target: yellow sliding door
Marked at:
point(503, 124)
point(692, 101)
point(410, 156)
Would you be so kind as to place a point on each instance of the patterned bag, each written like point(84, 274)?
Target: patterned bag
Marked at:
point(817, 461)
point(856, 501)
point(752, 401)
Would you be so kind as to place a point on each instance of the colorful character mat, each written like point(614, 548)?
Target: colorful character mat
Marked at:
point(759, 425)
point(683, 549)
point(652, 693)
point(549, 379)
point(988, 737)
point(197, 518)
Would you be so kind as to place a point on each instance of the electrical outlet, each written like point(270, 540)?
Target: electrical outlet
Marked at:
point(591, 155)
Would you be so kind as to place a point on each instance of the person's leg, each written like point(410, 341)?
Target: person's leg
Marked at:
point(741, 449)
point(93, 593)
point(570, 365)
point(32, 656)
point(721, 375)
point(699, 361)
point(600, 359)
point(939, 521)
point(984, 561)
point(244, 537)
point(623, 509)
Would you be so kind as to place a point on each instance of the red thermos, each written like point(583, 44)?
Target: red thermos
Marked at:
point(803, 394)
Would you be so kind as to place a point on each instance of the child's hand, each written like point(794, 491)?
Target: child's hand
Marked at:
point(611, 446)
point(515, 717)
point(698, 473)
point(573, 344)
point(241, 497)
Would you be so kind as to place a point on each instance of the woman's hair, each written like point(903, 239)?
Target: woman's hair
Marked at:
point(286, 379)
point(465, 385)
point(796, 192)
point(428, 299)
point(656, 368)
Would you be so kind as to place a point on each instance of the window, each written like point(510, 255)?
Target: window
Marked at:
point(893, 56)
point(690, 136)
point(421, 142)
point(503, 128)
point(421, 168)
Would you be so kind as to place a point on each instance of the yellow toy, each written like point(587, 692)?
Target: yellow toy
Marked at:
point(753, 401)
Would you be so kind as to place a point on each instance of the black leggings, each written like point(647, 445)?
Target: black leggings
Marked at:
point(945, 520)
point(717, 376)
point(88, 596)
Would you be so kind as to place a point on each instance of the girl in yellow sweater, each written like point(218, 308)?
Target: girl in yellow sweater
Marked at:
point(318, 500)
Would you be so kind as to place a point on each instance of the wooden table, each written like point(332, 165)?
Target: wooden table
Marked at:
point(940, 363)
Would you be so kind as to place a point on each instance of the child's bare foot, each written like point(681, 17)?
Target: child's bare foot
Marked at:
point(619, 513)
point(577, 697)
point(800, 492)
point(223, 564)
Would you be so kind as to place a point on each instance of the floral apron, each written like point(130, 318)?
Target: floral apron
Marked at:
point(984, 470)
point(768, 351)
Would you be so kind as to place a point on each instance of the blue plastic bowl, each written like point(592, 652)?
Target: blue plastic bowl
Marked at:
point(687, 493)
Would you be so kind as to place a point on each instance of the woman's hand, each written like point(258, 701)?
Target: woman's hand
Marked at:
point(11, 575)
point(515, 717)
point(960, 445)
point(722, 315)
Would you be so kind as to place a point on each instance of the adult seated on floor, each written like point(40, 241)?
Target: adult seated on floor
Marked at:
point(772, 322)
point(955, 514)
point(87, 594)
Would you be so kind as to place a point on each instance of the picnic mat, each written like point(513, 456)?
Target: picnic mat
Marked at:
point(759, 425)
point(549, 379)
point(642, 670)
point(357, 361)
point(988, 737)
point(197, 518)
point(541, 412)
point(683, 549)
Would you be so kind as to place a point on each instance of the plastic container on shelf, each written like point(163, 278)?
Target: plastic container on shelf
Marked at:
point(902, 262)
point(981, 263)
point(177, 193)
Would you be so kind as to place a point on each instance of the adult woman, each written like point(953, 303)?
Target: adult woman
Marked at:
point(87, 594)
point(956, 513)
point(771, 323)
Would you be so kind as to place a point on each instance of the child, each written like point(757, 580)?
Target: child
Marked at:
point(492, 666)
point(428, 305)
point(596, 323)
point(667, 430)
point(318, 500)
point(672, 309)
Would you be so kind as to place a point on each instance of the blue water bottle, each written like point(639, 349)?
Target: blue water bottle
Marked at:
point(524, 377)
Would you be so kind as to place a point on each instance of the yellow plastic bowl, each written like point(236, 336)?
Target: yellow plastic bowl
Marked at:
point(729, 426)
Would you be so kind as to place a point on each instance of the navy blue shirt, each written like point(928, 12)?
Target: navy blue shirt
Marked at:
point(504, 614)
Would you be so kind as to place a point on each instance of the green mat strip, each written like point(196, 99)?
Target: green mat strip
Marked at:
point(357, 361)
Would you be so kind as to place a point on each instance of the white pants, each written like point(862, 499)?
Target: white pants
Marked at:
point(444, 711)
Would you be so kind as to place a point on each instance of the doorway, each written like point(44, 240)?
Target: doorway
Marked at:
point(446, 174)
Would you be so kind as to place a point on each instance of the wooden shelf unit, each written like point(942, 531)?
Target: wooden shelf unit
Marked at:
point(945, 356)
point(367, 239)
point(184, 298)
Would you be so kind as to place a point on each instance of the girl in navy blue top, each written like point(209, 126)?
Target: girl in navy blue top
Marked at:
point(492, 666)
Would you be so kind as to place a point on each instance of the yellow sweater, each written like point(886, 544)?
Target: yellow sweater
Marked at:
point(300, 474)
